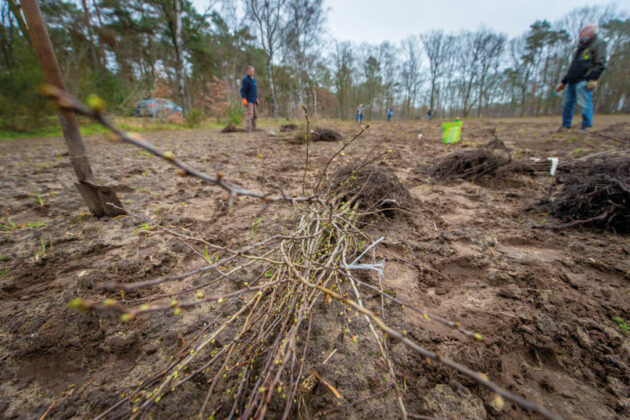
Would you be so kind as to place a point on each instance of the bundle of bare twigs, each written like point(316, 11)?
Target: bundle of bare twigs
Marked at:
point(253, 356)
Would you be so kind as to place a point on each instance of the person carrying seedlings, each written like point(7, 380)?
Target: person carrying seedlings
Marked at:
point(359, 116)
point(588, 64)
point(390, 114)
point(249, 94)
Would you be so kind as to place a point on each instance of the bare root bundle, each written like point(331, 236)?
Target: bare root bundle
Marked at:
point(595, 193)
point(373, 189)
point(319, 134)
point(250, 359)
point(231, 128)
point(471, 164)
point(288, 127)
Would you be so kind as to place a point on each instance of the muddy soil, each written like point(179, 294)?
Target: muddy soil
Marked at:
point(472, 252)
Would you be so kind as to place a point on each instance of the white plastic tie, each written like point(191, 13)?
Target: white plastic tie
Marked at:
point(379, 267)
point(554, 165)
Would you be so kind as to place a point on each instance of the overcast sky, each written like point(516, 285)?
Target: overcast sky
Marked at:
point(375, 21)
point(378, 20)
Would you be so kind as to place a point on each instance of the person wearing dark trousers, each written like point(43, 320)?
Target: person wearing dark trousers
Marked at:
point(390, 114)
point(249, 94)
point(579, 82)
point(359, 116)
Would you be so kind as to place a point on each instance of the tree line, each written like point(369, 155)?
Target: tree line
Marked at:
point(127, 50)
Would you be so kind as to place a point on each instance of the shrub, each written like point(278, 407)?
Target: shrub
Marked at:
point(195, 117)
point(234, 114)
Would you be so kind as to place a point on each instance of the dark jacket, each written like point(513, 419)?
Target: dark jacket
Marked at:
point(249, 90)
point(589, 62)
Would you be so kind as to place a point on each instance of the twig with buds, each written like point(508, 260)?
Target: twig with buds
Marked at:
point(95, 108)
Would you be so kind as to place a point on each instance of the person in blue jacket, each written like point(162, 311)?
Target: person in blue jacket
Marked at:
point(249, 94)
point(359, 116)
point(390, 114)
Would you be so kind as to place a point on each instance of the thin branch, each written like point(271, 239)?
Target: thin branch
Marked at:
point(64, 100)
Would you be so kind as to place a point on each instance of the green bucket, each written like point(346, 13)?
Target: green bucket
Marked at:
point(452, 132)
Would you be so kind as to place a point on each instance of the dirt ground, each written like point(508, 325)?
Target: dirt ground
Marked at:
point(542, 299)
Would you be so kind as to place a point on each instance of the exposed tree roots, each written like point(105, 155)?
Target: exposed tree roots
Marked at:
point(231, 128)
point(320, 134)
point(471, 164)
point(288, 127)
point(595, 192)
point(374, 189)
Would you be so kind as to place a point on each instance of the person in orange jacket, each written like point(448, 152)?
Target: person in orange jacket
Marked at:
point(249, 94)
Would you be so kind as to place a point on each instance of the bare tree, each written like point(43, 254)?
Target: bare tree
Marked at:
point(177, 43)
point(88, 25)
point(436, 48)
point(269, 22)
point(390, 68)
point(410, 72)
point(343, 60)
point(468, 58)
point(302, 38)
point(522, 68)
point(373, 82)
point(492, 46)
point(578, 18)
point(172, 14)
point(15, 9)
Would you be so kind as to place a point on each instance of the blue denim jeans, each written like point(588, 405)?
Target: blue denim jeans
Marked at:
point(577, 93)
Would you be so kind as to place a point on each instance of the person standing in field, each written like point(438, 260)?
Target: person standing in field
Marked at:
point(429, 114)
point(390, 114)
point(588, 64)
point(249, 94)
point(359, 116)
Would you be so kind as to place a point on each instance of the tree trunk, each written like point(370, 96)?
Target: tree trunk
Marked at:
point(272, 91)
point(98, 13)
point(481, 86)
point(432, 102)
point(315, 99)
point(86, 16)
point(467, 97)
point(6, 48)
point(15, 9)
point(177, 41)
point(101, 50)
